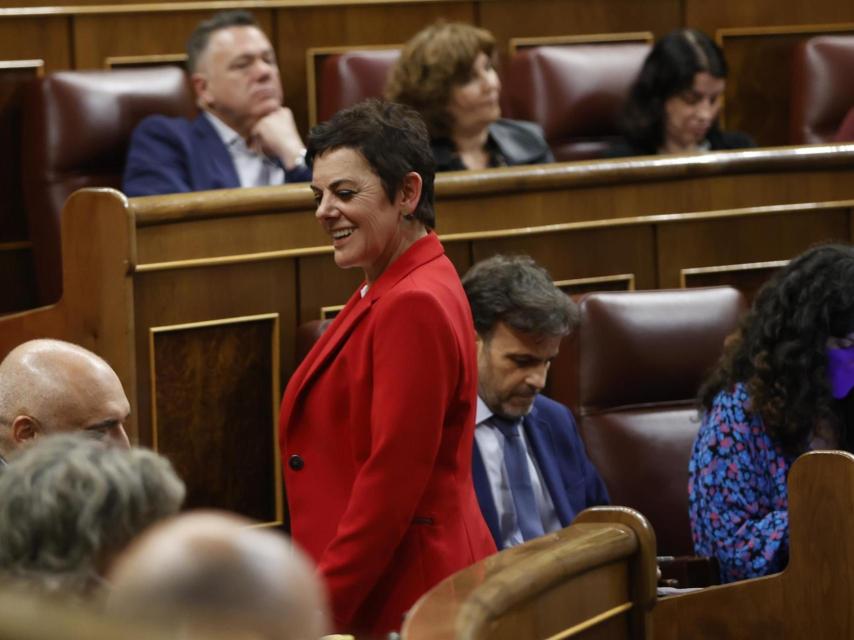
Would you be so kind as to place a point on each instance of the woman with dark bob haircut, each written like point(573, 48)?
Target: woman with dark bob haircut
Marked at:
point(674, 104)
point(446, 73)
point(377, 423)
point(782, 388)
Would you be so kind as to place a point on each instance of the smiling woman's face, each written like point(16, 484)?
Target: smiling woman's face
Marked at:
point(474, 105)
point(690, 113)
point(355, 211)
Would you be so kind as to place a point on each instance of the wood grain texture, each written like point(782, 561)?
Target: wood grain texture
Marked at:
point(222, 440)
point(812, 597)
point(547, 586)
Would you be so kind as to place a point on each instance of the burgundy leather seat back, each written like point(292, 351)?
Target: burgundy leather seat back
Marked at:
point(574, 92)
point(77, 125)
point(641, 357)
point(348, 78)
point(822, 89)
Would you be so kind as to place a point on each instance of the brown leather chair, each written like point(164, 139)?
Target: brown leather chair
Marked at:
point(574, 92)
point(822, 90)
point(636, 363)
point(77, 125)
point(348, 78)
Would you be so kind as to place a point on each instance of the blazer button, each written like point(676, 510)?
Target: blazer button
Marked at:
point(296, 462)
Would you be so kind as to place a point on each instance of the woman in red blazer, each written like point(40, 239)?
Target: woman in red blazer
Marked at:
point(377, 422)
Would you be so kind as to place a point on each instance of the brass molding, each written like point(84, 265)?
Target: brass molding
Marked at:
point(685, 273)
point(327, 313)
point(36, 64)
point(113, 62)
point(274, 390)
point(592, 622)
point(16, 245)
point(640, 37)
point(629, 278)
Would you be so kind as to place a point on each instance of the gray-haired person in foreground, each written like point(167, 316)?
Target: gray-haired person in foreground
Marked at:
point(70, 504)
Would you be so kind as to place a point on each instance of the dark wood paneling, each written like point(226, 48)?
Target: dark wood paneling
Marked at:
point(221, 441)
point(298, 29)
point(96, 37)
point(759, 84)
point(323, 284)
point(511, 19)
point(710, 16)
point(194, 295)
point(747, 278)
point(17, 280)
point(706, 243)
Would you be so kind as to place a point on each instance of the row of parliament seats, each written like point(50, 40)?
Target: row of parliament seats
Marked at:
point(77, 123)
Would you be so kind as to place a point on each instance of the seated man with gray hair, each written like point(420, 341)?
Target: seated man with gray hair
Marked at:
point(531, 473)
point(51, 386)
point(70, 504)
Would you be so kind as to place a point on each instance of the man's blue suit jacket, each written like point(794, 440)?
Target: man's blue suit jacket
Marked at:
point(176, 155)
point(571, 479)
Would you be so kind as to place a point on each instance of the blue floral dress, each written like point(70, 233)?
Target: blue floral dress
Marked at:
point(737, 490)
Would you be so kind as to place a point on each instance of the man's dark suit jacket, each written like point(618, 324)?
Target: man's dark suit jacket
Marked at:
point(571, 479)
point(176, 155)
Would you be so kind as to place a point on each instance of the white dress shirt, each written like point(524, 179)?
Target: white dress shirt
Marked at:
point(490, 442)
point(253, 169)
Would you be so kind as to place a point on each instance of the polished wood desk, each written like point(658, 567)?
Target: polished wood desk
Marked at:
point(195, 298)
point(597, 581)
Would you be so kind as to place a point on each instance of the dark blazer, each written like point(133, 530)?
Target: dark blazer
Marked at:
point(510, 142)
point(176, 155)
point(376, 427)
point(718, 141)
point(571, 479)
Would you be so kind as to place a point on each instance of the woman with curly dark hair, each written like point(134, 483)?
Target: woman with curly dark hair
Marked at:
point(673, 105)
point(781, 389)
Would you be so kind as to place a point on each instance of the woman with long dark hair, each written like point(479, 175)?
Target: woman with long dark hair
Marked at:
point(782, 388)
point(673, 106)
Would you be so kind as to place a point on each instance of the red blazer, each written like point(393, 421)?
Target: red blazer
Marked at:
point(376, 434)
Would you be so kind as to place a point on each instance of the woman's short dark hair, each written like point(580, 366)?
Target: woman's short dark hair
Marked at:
point(780, 351)
point(668, 70)
point(394, 141)
point(434, 61)
point(519, 292)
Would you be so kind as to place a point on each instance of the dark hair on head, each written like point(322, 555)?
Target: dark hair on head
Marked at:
point(434, 61)
point(780, 352)
point(198, 41)
point(394, 141)
point(668, 70)
point(517, 291)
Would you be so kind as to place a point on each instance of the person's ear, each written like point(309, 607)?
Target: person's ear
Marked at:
point(24, 428)
point(410, 192)
point(200, 87)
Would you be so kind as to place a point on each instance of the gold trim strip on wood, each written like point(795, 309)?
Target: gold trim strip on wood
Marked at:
point(276, 381)
point(596, 38)
point(783, 30)
point(17, 245)
point(505, 233)
point(171, 7)
point(111, 62)
point(728, 268)
point(36, 64)
point(311, 55)
point(592, 622)
point(618, 277)
point(325, 311)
